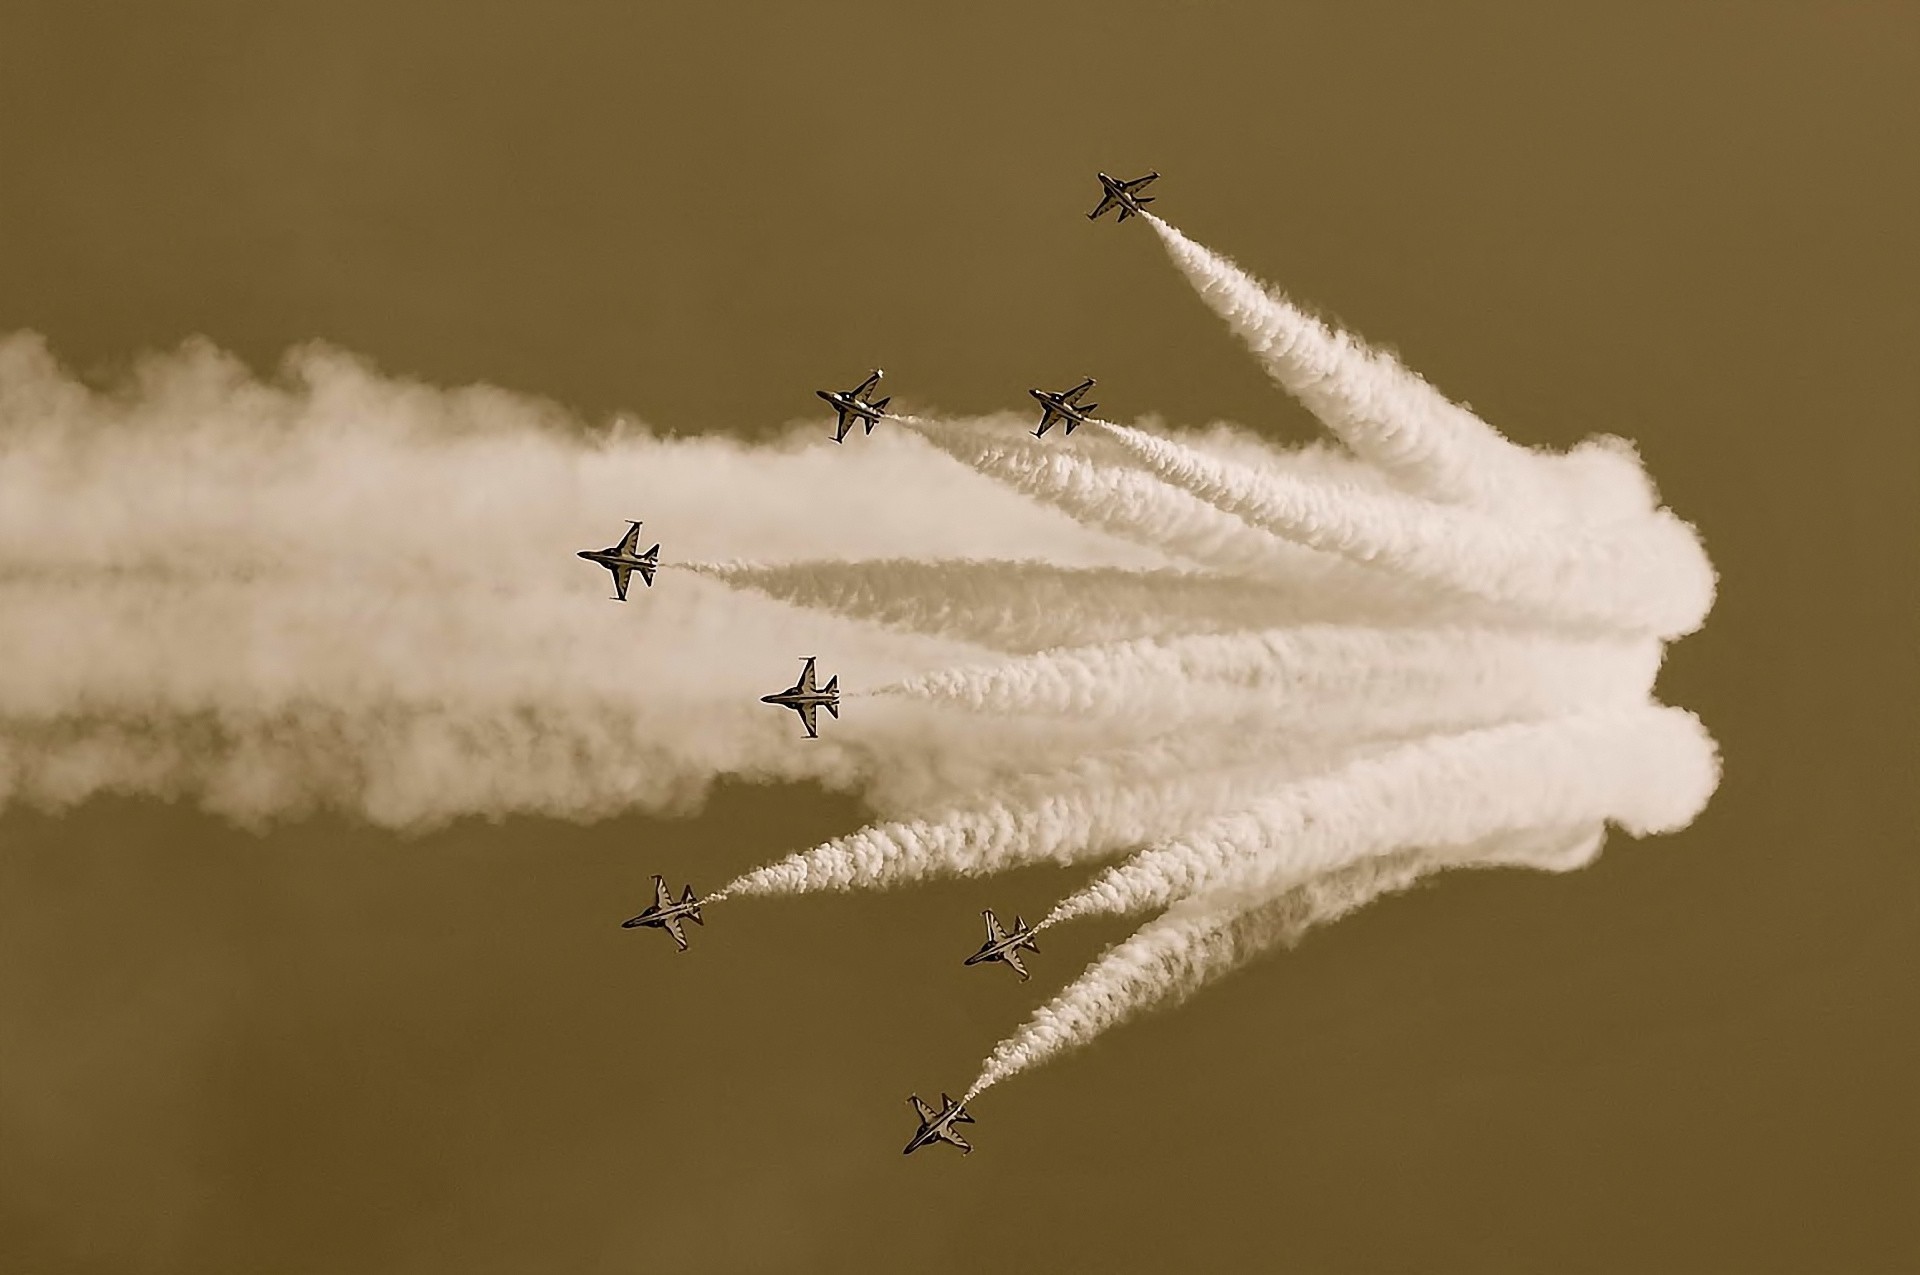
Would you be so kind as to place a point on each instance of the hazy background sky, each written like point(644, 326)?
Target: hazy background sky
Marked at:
point(335, 1049)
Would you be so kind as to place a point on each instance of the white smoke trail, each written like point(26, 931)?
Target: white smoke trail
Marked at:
point(1385, 412)
point(1363, 681)
point(1024, 606)
point(1649, 573)
point(1194, 943)
point(1133, 504)
point(1648, 768)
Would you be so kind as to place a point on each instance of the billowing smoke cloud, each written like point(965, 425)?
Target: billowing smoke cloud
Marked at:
point(1285, 681)
point(336, 589)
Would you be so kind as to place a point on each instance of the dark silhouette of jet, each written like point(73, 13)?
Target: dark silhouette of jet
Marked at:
point(939, 1128)
point(1064, 406)
point(665, 914)
point(1001, 946)
point(852, 404)
point(623, 561)
point(804, 698)
point(1122, 195)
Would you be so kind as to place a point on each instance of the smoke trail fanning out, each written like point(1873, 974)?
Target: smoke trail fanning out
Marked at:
point(1286, 682)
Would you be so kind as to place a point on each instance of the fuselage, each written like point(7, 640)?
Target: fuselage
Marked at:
point(996, 951)
point(1119, 192)
point(1058, 405)
point(793, 699)
point(610, 558)
point(931, 1133)
point(658, 915)
point(862, 409)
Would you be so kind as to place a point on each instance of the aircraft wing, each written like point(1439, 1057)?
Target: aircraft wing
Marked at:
point(994, 933)
point(632, 538)
point(672, 926)
point(949, 1135)
point(926, 1112)
point(808, 712)
point(861, 391)
point(1138, 183)
point(662, 896)
point(1012, 957)
point(621, 577)
point(1073, 395)
point(1106, 201)
point(805, 685)
point(842, 425)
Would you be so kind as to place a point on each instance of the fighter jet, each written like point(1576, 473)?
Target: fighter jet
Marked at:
point(665, 914)
point(852, 404)
point(939, 1128)
point(1122, 195)
point(1001, 946)
point(1063, 406)
point(623, 561)
point(804, 698)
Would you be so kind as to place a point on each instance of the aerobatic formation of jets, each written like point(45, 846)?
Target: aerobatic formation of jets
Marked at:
point(806, 696)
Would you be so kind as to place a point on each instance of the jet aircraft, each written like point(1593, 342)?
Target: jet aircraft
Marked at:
point(806, 699)
point(939, 1128)
point(852, 404)
point(665, 914)
point(623, 561)
point(1001, 946)
point(1122, 195)
point(1063, 406)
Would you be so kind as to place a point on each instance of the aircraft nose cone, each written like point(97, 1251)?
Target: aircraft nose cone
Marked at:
point(631, 922)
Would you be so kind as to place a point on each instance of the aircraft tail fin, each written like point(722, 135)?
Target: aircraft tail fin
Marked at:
point(1019, 924)
point(832, 688)
point(688, 896)
point(960, 1115)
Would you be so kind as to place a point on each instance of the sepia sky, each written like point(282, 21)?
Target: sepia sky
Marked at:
point(326, 1046)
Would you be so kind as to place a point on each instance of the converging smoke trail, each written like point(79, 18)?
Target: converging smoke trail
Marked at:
point(1133, 504)
point(1385, 412)
point(1649, 573)
point(1648, 769)
point(1175, 955)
